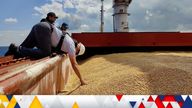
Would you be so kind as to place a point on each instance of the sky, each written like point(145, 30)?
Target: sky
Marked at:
point(18, 16)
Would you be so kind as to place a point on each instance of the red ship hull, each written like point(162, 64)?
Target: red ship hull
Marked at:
point(134, 39)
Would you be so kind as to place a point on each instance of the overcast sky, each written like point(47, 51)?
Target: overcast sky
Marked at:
point(18, 16)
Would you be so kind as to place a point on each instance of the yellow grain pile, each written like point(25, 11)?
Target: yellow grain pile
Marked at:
point(136, 73)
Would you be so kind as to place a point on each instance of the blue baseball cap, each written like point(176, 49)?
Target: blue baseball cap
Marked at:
point(65, 25)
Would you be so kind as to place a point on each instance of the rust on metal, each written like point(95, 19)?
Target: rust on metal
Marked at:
point(25, 76)
point(8, 61)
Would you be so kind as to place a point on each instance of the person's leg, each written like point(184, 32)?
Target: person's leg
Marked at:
point(32, 52)
point(40, 37)
point(11, 50)
point(43, 38)
point(29, 42)
point(36, 38)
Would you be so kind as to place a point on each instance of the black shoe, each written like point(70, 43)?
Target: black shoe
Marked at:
point(12, 50)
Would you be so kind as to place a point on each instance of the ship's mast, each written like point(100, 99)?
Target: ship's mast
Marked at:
point(102, 17)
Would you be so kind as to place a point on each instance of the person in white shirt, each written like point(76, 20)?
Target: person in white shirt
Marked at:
point(69, 46)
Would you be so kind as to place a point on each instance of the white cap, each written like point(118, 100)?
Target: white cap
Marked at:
point(81, 49)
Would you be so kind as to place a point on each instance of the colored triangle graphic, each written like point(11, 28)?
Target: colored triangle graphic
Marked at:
point(9, 97)
point(178, 98)
point(17, 106)
point(1, 105)
point(169, 98)
point(154, 97)
point(187, 103)
point(165, 104)
point(132, 103)
point(5, 104)
point(119, 97)
point(184, 97)
point(150, 99)
point(159, 102)
point(36, 103)
point(12, 102)
point(141, 105)
point(180, 104)
point(149, 104)
point(75, 105)
point(4, 98)
point(169, 105)
point(161, 97)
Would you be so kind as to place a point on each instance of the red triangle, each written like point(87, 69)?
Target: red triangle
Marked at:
point(119, 97)
point(169, 105)
point(159, 103)
point(180, 104)
point(169, 98)
point(150, 99)
point(141, 105)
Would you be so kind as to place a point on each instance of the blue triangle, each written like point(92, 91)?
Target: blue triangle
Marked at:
point(132, 103)
point(17, 106)
point(161, 97)
point(178, 98)
point(9, 97)
point(187, 103)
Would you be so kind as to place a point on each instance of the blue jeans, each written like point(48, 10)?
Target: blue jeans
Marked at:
point(32, 52)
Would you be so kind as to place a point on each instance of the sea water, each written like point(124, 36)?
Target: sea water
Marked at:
point(3, 50)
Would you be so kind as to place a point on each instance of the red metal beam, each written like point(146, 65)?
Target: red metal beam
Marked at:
point(134, 39)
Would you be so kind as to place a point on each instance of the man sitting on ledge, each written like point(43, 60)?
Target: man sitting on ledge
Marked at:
point(38, 42)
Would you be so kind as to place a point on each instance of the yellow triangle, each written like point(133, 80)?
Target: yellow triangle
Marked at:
point(4, 98)
point(36, 103)
point(12, 103)
point(75, 105)
point(1, 105)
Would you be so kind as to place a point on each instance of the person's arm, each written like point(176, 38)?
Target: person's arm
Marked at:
point(75, 67)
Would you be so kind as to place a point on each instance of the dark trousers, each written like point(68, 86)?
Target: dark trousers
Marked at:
point(38, 42)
